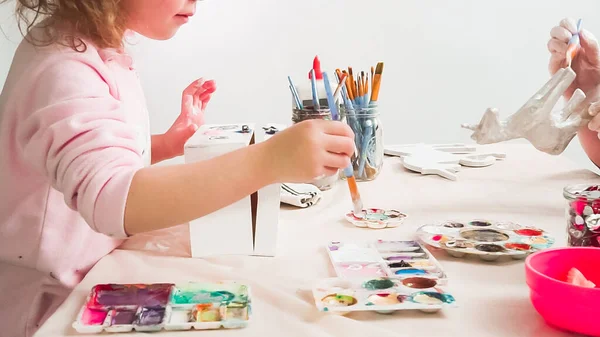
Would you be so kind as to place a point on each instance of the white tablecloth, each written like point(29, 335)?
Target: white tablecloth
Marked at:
point(492, 297)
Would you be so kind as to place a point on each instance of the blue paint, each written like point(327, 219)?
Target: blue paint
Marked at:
point(410, 271)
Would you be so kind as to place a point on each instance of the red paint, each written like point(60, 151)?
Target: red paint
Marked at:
point(517, 246)
point(436, 238)
point(529, 232)
point(383, 295)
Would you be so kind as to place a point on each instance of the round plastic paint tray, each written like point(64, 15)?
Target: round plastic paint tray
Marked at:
point(154, 307)
point(382, 276)
point(376, 218)
point(486, 239)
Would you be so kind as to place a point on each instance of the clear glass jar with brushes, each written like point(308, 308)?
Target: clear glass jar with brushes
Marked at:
point(368, 138)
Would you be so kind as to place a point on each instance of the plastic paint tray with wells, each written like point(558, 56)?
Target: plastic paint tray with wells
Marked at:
point(487, 239)
point(154, 307)
point(383, 276)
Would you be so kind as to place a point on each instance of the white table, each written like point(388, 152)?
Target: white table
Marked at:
point(492, 297)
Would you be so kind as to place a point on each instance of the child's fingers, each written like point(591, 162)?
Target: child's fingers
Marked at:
point(561, 34)
point(594, 124)
point(329, 171)
point(204, 101)
point(569, 24)
point(191, 89)
point(339, 145)
point(594, 109)
point(557, 46)
point(590, 47)
point(336, 128)
point(335, 160)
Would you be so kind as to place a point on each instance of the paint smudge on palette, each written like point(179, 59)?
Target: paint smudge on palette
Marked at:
point(361, 270)
point(154, 307)
point(487, 239)
point(376, 218)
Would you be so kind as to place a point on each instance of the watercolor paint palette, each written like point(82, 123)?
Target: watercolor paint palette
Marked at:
point(376, 218)
point(154, 307)
point(487, 239)
point(382, 276)
point(394, 259)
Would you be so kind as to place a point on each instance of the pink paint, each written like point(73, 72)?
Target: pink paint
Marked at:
point(93, 317)
point(561, 304)
point(436, 238)
point(361, 270)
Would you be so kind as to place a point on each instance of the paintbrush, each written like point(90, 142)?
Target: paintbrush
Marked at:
point(315, 96)
point(365, 144)
point(367, 87)
point(349, 87)
point(295, 94)
point(330, 98)
point(357, 204)
point(341, 83)
point(372, 70)
point(352, 84)
point(376, 83)
point(573, 45)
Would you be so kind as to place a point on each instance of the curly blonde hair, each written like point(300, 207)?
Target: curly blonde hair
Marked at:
point(102, 22)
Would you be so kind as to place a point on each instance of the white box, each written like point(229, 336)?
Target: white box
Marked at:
point(246, 227)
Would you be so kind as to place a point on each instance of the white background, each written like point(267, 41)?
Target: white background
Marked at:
point(445, 61)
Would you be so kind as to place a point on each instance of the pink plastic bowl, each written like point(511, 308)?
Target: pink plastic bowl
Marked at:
point(562, 304)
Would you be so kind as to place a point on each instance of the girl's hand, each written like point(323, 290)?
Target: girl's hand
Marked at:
point(194, 100)
point(309, 149)
point(586, 63)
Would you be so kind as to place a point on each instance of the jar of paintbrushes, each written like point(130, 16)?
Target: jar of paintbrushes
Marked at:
point(360, 110)
point(348, 100)
point(367, 162)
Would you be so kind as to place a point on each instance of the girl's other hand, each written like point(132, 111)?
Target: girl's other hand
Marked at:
point(309, 149)
point(586, 63)
point(194, 100)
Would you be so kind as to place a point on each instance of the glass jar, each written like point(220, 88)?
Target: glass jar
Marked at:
point(583, 215)
point(367, 162)
point(323, 183)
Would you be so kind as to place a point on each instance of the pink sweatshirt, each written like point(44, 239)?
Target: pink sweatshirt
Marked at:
point(73, 131)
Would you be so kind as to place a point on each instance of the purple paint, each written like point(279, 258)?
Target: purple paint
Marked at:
point(133, 295)
point(123, 317)
point(150, 316)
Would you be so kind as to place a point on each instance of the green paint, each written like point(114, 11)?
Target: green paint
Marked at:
point(199, 297)
point(378, 284)
point(200, 293)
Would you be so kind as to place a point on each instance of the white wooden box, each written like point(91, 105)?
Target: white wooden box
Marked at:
point(246, 227)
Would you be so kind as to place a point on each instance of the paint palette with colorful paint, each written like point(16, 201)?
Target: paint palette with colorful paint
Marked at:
point(487, 239)
point(154, 307)
point(395, 259)
point(382, 276)
point(383, 295)
point(376, 218)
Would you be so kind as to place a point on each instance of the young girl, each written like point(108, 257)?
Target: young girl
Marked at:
point(75, 152)
point(587, 67)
